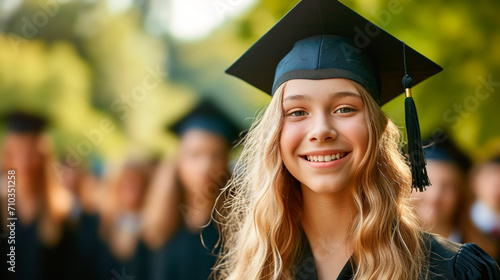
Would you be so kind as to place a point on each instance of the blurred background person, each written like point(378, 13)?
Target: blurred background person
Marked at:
point(84, 219)
point(485, 212)
point(112, 73)
point(190, 188)
point(443, 207)
point(45, 248)
point(83, 186)
point(121, 222)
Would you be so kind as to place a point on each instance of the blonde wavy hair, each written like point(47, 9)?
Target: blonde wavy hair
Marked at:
point(261, 235)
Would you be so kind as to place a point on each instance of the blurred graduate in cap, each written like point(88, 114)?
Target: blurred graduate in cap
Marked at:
point(443, 208)
point(485, 211)
point(121, 222)
point(45, 248)
point(178, 223)
point(321, 190)
point(84, 219)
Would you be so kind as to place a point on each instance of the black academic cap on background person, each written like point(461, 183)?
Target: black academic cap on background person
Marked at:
point(445, 150)
point(321, 39)
point(24, 122)
point(208, 117)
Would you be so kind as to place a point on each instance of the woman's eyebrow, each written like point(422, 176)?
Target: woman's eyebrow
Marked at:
point(332, 95)
point(341, 94)
point(297, 97)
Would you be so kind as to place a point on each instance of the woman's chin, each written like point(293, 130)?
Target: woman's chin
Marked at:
point(324, 187)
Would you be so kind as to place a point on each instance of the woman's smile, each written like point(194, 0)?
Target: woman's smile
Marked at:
point(325, 158)
point(325, 133)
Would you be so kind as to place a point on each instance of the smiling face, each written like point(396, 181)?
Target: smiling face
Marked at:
point(486, 185)
point(438, 204)
point(203, 161)
point(325, 133)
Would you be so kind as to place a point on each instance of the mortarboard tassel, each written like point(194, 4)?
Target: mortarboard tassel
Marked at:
point(415, 152)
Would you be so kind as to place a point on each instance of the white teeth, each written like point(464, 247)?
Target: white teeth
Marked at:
point(326, 158)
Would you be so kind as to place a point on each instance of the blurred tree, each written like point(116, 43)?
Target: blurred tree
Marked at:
point(79, 61)
point(85, 61)
point(461, 36)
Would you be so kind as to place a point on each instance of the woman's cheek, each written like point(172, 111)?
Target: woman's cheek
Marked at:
point(357, 131)
point(291, 136)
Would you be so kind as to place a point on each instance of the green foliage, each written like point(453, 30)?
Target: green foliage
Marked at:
point(461, 36)
point(84, 64)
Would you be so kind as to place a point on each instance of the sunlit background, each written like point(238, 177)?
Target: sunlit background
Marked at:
point(140, 65)
point(75, 61)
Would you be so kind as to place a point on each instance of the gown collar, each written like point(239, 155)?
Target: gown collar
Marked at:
point(306, 267)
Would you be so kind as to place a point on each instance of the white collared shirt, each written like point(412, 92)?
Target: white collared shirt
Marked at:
point(485, 219)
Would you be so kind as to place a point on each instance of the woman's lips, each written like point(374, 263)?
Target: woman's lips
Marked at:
point(325, 160)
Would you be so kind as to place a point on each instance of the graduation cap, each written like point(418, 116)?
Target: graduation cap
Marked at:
point(22, 122)
point(322, 39)
point(446, 151)
point(208, 117)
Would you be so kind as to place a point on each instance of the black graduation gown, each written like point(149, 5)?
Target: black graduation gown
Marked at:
point(36, 261)
point(135, 267)
point(88, 245)
point(185, 257)
point(28, 254)
point(448, 260)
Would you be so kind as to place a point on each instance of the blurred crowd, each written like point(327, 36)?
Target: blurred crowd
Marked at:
point(148, 219)
point(152, 219)
point(463, 203)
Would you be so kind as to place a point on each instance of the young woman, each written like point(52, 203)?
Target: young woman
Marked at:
point(184, 196)
point(321, 190)
point(443, 208)
point(485, 210)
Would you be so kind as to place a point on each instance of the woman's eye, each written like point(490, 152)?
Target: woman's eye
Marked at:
point(298, 113)
point(344, 110)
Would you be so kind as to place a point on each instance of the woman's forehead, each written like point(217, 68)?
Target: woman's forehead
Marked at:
point(309, 89)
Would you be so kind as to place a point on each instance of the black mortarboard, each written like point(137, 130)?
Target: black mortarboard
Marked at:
point(329, 17)
point(22, 122)
point(321, 39)
point(446, 151)
point(208, 117)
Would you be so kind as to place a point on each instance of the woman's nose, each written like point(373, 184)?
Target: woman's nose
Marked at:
point(323, 129)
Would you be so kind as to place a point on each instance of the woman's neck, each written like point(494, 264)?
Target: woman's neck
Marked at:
point(327, 215)
point(325, 220)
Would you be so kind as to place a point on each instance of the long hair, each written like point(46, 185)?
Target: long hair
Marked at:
point(260, 219)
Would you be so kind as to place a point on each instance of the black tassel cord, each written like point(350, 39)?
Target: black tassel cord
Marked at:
point(416, 155)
